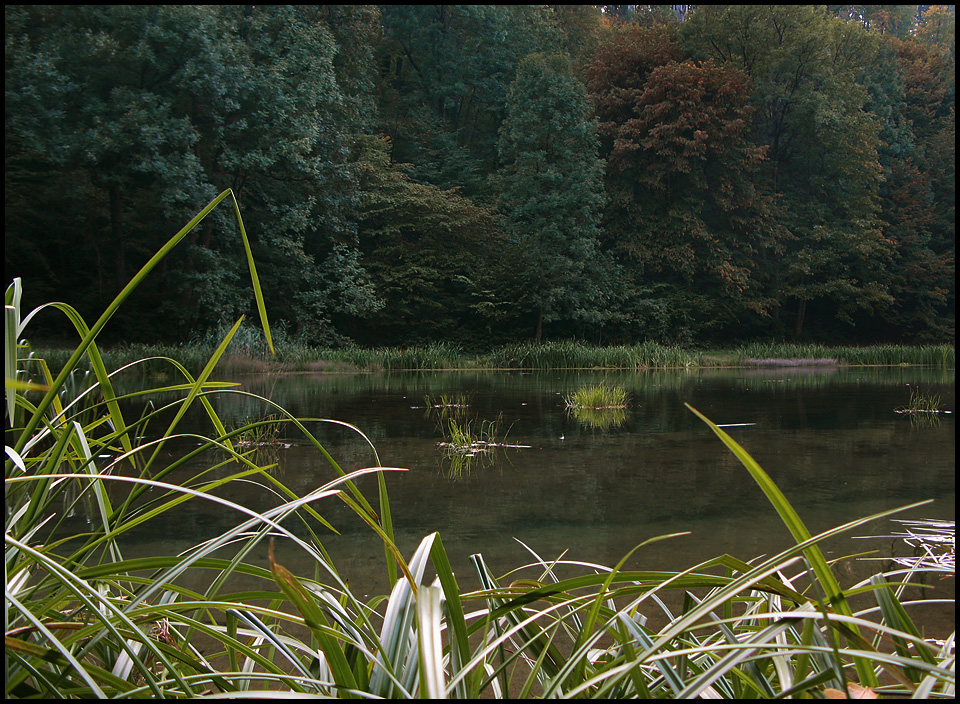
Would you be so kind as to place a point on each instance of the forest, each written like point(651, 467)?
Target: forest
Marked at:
point(488, 174)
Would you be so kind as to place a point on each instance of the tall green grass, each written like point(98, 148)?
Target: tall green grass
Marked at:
point(873, 355)
point(84, 619)
point(578, 355)
point(438, 355)
point(251, 354)
point(81, 620)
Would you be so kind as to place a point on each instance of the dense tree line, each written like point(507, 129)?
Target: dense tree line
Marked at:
point(481, 174)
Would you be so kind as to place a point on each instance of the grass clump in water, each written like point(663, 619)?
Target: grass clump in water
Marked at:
point(597, 397)
point(921, 403)
point(262, 433)
point(466, 439)
point(444, 408)
point(469, 437)
point(446, 405)
point(598, 406)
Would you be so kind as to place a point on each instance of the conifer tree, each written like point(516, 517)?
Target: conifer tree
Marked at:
point(551, 192)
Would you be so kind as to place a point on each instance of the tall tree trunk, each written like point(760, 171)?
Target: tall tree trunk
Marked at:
point(116, 230)
point(539, 334)
point(94, 240)
point(801, 312)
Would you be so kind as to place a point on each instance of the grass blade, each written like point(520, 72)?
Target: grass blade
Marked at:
point(429, 619)
point(834, 594)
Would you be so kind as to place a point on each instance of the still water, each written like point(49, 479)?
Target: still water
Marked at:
point(593, 487)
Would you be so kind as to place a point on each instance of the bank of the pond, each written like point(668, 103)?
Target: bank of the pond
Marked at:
point(252, 355)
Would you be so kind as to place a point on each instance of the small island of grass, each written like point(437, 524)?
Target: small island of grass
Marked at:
point(597, 397)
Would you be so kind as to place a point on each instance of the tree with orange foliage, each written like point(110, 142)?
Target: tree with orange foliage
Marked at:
point(684, 215)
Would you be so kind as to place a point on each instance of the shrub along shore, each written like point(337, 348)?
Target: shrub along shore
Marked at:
point(250, 354)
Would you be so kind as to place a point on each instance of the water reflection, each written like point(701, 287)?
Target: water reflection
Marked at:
point(459, 464)
point(829, 437)
point(599, 418)
point(924, 420)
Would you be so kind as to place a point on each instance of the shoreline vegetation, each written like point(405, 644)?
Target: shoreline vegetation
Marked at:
point(249, 354)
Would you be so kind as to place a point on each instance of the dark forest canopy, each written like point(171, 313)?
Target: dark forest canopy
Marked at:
point(485, 173)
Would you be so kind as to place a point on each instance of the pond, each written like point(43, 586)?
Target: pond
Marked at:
point(829, 437)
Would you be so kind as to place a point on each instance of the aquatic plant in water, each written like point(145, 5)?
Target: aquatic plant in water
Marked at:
point(597, 396)
point(922, 409)
point(468, 438)
point(468, 442)
point(84, 621)
point(444, 407)
point(921, 403)
point(598, 406)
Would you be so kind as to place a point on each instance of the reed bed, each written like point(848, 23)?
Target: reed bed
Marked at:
point(253, 356)
point(83, 620)
point(875, 355)
point(438, 355)
point(578, 355)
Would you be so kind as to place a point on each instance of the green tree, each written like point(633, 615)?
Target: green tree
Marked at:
point(137, 115)
point(430, 253)
point(888, 20)
point(358, 33)
point(286, 149)
point(447, 70)
point(822, 164)
point(551, 192)
point(97, 150)
point(581, 27)
point(938, 27)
